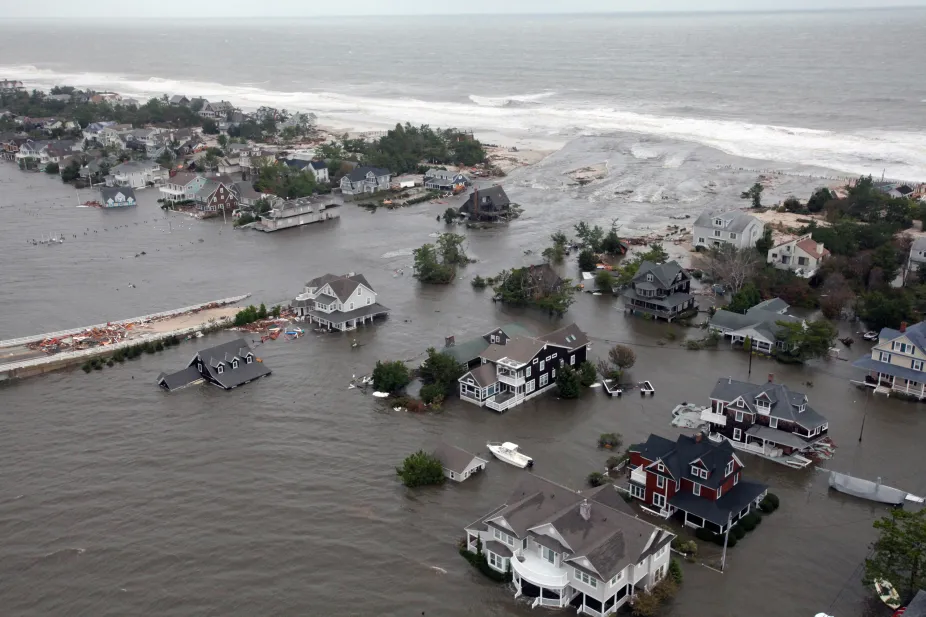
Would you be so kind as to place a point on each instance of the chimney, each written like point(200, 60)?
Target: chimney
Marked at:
point(771, 377)
point(820, 247)
point(585, 509)
point(903, 326)
point(698, 437)
point(449, 341)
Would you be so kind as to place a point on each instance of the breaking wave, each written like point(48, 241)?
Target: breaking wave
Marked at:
point(895, 153)
point(507, 101)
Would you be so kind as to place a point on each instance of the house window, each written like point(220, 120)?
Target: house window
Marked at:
point(452, 475)
point(199, 367)
point(234, 363)
point(638, 491)
point(248, 359)
point(736, 479)
point(542, 365)
point(717, 233)
point(660, 482)
point(739, 416)
point(572, 359)
point(802, 261)
point(220, 369)
point(733, 236)
point(762, 404)
point(917, 365)
point(369, 300)
point(553, 374)
point(616, 578)
point(703, 474)
point(528, 371)
point(737, 434)
point(695, 471)
point(494, 339)
point(729, 469)
point(591, 581)
point(530, 387)
point(548, 554)
point(885, 357)
point(773, 422)
point(544, 380)
point(548, 358)
point(659, 500)
point(701, 241)
point(649, 277)
point(535, 361)
point(719, 491)
point(660, 467)
point(696, 489)
point(718, 222)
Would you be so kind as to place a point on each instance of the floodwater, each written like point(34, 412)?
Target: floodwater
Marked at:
point(281, 498)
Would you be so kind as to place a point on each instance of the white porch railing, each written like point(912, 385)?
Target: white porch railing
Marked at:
point(507, 404)
point(511, 380)
point(663, 513)
point(638, 475)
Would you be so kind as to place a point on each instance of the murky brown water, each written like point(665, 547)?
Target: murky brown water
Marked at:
point(280, 498)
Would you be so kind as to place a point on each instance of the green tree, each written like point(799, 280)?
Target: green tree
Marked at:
point(441, 369)
point(588, 261)
point(450, 215)
point(899, 553)
point(591, 237)
point(744, 299)
point(886, 308)
point(450, 247)
point(587, 374)
point(622, 357)
point(165, 159)
point(223, 141)
point(52, 168)
point(805, 342)
point(429, 269)
point(71, 171)
point(390, 376)
point(765, 243)
point(754, 193)
point(655, 253)
point(611, 243)
point(820, 198)
point(792, 204)
point(888, 259)
point(262, 311)
point(568, 382)
point(604, 280)
point(421, 469)
point(556, 253)
point(210, 127)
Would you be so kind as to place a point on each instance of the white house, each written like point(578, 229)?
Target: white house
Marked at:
point(586, 549)
point(735, 227)
point(802, 256)
point(898, 361)
point(917, 255)
point(458, 464)
point(339, 302)
point(183, 186)
point(136, 174)
point(365, 180)
point(320, 169)
point(114, 135)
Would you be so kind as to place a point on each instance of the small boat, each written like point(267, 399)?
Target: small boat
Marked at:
point(510, 453)
point(647, 388)
point(866, 489)
point(381, 394)
point(887, 593)
point(871, 335)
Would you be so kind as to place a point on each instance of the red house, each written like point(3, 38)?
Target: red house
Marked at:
point(216, 196)
point(693, 478)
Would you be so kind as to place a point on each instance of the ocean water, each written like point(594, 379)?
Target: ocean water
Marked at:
point(835, 90)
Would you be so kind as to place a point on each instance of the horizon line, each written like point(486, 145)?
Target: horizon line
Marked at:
point(625, 13)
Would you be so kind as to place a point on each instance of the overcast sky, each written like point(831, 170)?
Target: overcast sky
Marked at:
point(177, 9)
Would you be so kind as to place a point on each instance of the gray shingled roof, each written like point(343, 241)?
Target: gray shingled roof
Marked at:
point(360, 173)
point(518, 349)
point(180, 379)
point(112, 191)
point(917, 608)
point(664, 273)
point(484, 374)
point(772, 304)
point(610, 539)
point(679, 455)
point(717, 512)
point(784, 401)
point(570, 337)
point(735, 220)
point(453, 458)
point(763, 318)
point(491, 199)
point(232, 377)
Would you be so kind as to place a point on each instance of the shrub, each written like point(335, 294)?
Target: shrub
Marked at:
point(731, 541)
point(479, 561)
point(750, 521)
point(479, 283)
point(610, 440)
point(110, 362)
point(421, 469)
point(159, 346)
point(587, 374)
point(704, 534)
point(597, 478)
point(87, 368)
point(769, 503)
point(390, 376)
point(432, 392)
point(613, 461)
point(568, 383)
point(675, 571)
point(738, 531)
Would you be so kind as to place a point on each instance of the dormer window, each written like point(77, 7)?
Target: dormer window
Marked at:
point(220, 369)
point(248, 359)
point(740, 403)
point(762, 404)
point(729, 469)
point(649, 277)
point(801, 407)
point(718, 222)
point(235, 363)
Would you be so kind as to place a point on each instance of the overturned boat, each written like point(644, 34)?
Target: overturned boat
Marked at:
point(873, 491)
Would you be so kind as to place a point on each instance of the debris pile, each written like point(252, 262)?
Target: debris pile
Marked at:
point(91, 337)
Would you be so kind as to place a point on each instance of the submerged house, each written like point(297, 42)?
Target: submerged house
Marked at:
point(444, 180)
point(458, 464)
point(227, 366)
point(759, 324)
point(468, 352)
point(694, 479)
point(489, 204)
point(364, 180)
point(564, 548)
point(897, 363)
point(117, 196)
point(660, 290)
point(517, 369)
point(769, 420)
point(339, 302)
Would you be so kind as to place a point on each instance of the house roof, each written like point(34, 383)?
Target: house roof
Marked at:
point(679, 456)
point(717, 512)
point(917, 607)
point(360, 173)
point(772, 304)
point(570, 337)
point(453, 458)
point(178, 98)
point(734, 220)
point(299, 164)
point(518, 349)
point(108, 192)
point(916, 333)
point(320, 281)
point(498, 548)
point(183, 178)
point(133, 167)
point(784, 402)
point(246, 190)
point(762, 318)
point(491, 199)
point(811, 247)
point(180, 379)
point(225, 353)
point(609, 539)
point(664, 273)
point(470, 349)
point(318, 165)
point(484, 374)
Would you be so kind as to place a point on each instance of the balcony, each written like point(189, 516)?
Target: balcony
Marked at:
point(539, 571)
point(638, 476)
point(504, 400)
point(512, 379)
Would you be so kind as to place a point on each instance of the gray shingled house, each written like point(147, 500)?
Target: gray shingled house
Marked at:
point(759, 324)
point(660, 290)
point(488, 204)
point(458, 464)
point(339, 302)
point(736, 228)
point(227, 366)
point(467, 352)
point(584, 549)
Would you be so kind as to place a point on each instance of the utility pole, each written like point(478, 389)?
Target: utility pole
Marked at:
point(749, 351)
point(726, 538)
point(865, 414)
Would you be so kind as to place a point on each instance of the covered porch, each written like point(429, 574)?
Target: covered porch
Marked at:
point(717, 516)
point(887, 378)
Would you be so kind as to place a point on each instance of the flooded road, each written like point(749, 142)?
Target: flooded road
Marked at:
point(281, 498)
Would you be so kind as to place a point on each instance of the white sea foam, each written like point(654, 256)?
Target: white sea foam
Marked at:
point(896, 154)
point(504, 101)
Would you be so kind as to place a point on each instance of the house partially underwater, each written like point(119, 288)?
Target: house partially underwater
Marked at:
point(227, 366)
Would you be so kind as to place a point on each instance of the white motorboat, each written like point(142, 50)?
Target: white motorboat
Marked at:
point(871, 335)
point(510, 453)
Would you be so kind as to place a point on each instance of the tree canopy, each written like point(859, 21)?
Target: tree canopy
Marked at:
point(390, 376)
point(285, 181)
point(522, 287)
point(806, 341)
point(899, 553)
point(568, 383)
point(438, 265)
point(442, 370)
point(421, 469)
point(404, 148)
